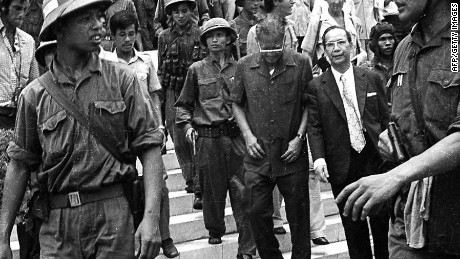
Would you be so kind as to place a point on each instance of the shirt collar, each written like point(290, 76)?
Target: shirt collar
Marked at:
point(347, 74)
point(93, 65)
point(137, 55)
point(416, 35)
point(175, 29)
point(228, 60)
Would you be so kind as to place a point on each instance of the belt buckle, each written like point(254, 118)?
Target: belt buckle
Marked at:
point(74, 199)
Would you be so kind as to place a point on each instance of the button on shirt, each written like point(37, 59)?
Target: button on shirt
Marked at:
point(142, 64)
point(204, 100)
point(14, 61)
point(67, 157)
point(273, 106)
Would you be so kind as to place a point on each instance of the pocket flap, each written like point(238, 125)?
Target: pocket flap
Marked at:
point(443, 77)
point(51, 123)
point(207, 81)
point(112, 107)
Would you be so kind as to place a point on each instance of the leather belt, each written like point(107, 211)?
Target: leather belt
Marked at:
point(226, 129)
point(75, 199)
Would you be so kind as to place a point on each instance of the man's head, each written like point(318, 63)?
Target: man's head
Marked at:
point(250, 6)
point(124, 26)
point(413, 10)
point(337, 45)
point(270, 37)
point(335, 6)
point(382, 40)
point(217, 34)
point(13, 11)
point(180, 10)
point(282, 8)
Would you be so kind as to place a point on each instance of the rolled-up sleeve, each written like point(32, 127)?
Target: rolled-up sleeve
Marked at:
point(26, 144)
point(186, 101)
point(142, 123)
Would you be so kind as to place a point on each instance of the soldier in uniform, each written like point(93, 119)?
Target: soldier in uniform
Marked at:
point(205, 114)
point(242, 23)
point(178, 47)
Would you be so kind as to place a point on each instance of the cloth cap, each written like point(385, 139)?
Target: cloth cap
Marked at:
point(215, 24)
point(376, 32)
point(58, 9)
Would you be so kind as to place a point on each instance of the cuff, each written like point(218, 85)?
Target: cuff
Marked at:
point(319, 162)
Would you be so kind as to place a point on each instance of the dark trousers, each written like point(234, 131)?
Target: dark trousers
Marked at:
point(357, 232)
point(220, 168)
point(294, 188)
point(183, 149)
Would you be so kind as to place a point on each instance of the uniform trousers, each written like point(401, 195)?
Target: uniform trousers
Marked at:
point(294, 188)
point(220, 168)
point(101, 229)
point(182, 147)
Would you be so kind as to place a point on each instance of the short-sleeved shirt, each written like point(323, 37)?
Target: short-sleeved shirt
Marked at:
point(438, 92)
point(273, 105)
point(142, 64)
point(66, 156)
point(204, 100)
point(18, 66)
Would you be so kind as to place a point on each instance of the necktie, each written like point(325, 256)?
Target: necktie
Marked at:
point(355, 126)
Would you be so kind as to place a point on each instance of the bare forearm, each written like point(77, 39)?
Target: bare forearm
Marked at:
point(240, 117)
point(438, 159)
point(303, 123)
point(152, 165)
point(17, 176)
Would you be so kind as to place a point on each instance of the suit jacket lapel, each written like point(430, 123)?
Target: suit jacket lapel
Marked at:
point(332, 91)
point(361, 89)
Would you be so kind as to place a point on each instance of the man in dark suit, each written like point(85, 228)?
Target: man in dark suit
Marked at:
point(347, 111)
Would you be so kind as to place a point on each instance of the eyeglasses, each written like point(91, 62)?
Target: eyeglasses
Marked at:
point(339, 43)
point(278, 50)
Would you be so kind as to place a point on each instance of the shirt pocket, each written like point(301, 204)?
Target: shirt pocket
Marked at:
point(55, 134)
point(287, 94)
point(208, 88)
point(111, 113)
point(442, 95)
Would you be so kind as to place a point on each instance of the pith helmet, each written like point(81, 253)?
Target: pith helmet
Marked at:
point(215, 24)
point(170, 3)
point(58, 9)
point(40, 51)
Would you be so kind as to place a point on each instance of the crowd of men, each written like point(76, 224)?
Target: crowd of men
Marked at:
point(263, 100)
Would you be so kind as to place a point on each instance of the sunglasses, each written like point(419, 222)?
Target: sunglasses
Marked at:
point(272, 50)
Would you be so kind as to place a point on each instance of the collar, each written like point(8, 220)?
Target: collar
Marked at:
point(137, 55)
point(244, 16)
point(347, 74)
point(93, 65)
point(287, 59)
point(175, 29)
point(416, 35)
point(228, 60)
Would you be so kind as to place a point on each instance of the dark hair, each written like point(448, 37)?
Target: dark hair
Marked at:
point(4, 6)
point(378, 30)
point(269, 5)
point(332, 28)
point(122, 20)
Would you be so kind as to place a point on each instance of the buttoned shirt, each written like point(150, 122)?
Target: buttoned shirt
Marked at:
point(142, 64)
point(290, 39)
point(204, 100)
point(273, 106)
point(65, 154)
point(438, 92)
point(18, 66)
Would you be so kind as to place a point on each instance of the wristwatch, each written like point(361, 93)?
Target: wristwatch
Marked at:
point(301, 136)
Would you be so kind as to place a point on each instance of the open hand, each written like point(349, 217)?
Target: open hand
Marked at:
point(147, 239)
point(253, 147)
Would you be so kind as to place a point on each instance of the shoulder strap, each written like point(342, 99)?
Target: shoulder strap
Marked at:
point(314, 58)
point(95, 127)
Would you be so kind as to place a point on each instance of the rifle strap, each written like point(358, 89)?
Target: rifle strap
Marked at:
point(94, 127)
